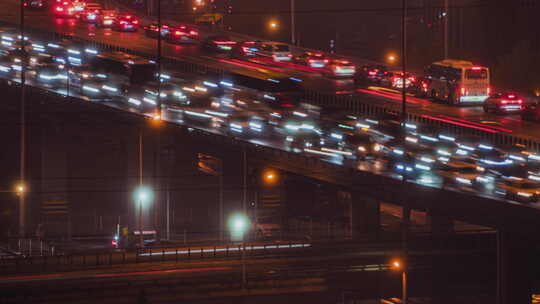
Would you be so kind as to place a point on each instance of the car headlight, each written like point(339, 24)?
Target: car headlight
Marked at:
point(377, 147)
point(361, 148)
point(480, 169)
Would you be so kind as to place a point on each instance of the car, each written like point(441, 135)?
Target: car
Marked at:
point(91, 13)
point(519, 189)
point(152, 30)
point(491, 158)
point(219, 44)
point(36, 4)
point(395, 80)
point(371, 74)
point(506, 102)
point(312, 59)
point(341, 68)
point(183, 34)
point(247, 48)
point(65, 9)
point(126, 23)
point(349, 144)
point(106, 18)
point(247, 124)
point(464, 175)
point(275, 51)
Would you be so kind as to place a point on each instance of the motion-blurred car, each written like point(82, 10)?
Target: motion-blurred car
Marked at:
point(65, 9)
point(183, 34)
point(349, 144)
point(275, 51)
point(311, 59)
point(152, 30)
point(464, 175)
point(519, 189)
point(503, 103)
point(371, 74)
point(106, 18)
point(340, 68)
point(126, 23)
point(36, 4)
point(395, 80)
point(219, 44)
point(91, 13)
point(245, 49)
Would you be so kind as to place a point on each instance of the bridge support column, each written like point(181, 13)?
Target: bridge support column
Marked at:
point(365, 216)
point(514, 267)
point(440, 227)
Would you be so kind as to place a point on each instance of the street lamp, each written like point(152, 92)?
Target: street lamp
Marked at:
point(399, 265)
point(273, 25)
point(391, 58)
point(239, 224)
point(270, 177)
point(20, 189)
point(142, 196)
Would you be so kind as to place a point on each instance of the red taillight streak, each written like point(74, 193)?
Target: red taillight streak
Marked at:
point(392, 96)
point(250, 65)
point(460, 124)
point(475, 123)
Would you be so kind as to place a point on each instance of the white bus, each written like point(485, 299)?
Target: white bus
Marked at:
point(457, 82)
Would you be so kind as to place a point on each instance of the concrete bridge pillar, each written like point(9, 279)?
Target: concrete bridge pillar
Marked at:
point(364, 216)
point(514, 267)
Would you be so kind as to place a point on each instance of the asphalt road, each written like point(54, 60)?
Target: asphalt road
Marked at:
point(474, 116)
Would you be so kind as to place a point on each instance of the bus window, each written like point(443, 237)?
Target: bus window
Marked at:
point(475, 73)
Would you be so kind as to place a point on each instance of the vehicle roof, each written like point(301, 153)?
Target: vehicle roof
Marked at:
point(454, 63)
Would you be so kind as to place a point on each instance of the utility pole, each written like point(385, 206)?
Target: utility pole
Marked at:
point(22, 196)
point(159, 53)
point(446, 30)
point(293, 27)
point(404, 60)
point(141, 240)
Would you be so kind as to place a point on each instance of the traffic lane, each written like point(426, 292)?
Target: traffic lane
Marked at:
point(510, 124)
point(429, 179)
point(138, 41)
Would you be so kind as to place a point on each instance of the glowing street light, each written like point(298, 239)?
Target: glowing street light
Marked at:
point(391, 58)
point(270, 177)
point(20, 189)
point(273, 25)
point(142, 196)
point(398, 265)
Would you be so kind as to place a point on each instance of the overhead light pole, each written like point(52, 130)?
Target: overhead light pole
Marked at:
point(404, 60)
point(293, 25)
point(22, 157)
point(400, 265)
point(446, 30)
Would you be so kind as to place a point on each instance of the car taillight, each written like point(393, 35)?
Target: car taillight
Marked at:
point(326, 61)
point(178, 33)
point(311, 61)
point(488, 91)
point(519, 101)
point(123, 22)
point(504, 101)
point(372, 73)
point(194, 33)
point(59, 9)
point(462, 91)
point(135, 21)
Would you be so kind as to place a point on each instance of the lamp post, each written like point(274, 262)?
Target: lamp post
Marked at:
point(399, 265)
point(142, 196)
point(293, 25)
point(239, 225)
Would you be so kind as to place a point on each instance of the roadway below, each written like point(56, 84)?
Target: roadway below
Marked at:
point(362, 269)
point(472, 116)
